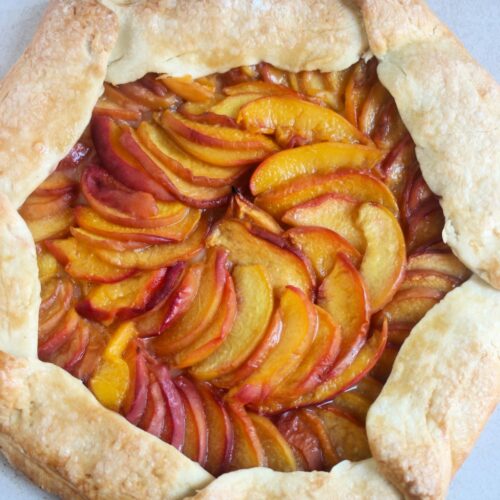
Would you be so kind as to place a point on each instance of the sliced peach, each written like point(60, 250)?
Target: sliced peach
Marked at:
point(158, 255)
point(299, 328)
point(73, 351)
point(125, 299)
point(155, 414)
point(347, 436)
point(231, 105)
point(98, 339)
point(247, 450)
point(409, 306)
point(297, 432)
point(241, 208)
point(322, 158)
point(48, 266)
point(213, 136)
point(78, 154)
point(177, 409)
point(114, 95)
point(193, 324)
point(57, 184)
point(90, 220)
point(368, 387)
point(51, 227)
point(282, 266)
point(214, 334)
point(134, 405)
point(208, 117)
point(173, 158)
point(187, 88)
point(54, 309)
point(308, 120)
point(360, 186)
point(110, 382)
point(431, 279)
point(279, 455)
point(122, 165)
point(61, 333)
point(384, 260)
point(45, 206)
point(317, 362)
point(144, 96)
point(321, 246)
point(105, 107)
point(80, 262)
point(93, 240)
point(353, 404)
point(377, 98)
point(188, 193)
point(258, 87)
point(361, 365)
point(220, 430)
point(343, 295)
point(445, 263)
point(425, 228)
point(124, 206)
point(197, 433)
point(218, 156)
point(254, 297)
point(268, 342)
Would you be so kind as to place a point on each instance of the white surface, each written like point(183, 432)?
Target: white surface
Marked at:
point(477, 24)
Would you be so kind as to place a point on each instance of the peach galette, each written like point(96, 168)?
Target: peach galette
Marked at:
point(233, 262)
point(248, 264)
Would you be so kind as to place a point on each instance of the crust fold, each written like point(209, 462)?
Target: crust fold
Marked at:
point(444, 385)
point(47, 98)
point(53, 429)
point(451, 107)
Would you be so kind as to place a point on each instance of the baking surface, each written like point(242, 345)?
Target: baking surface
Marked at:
point(477, 24)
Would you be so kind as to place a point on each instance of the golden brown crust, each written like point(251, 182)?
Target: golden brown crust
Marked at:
point(19, 285)
point(55, 430)
point(46, 99)
point(451, 107)
point(352, 480)
point(217, 36)
point(50, 425)
point(443, 386)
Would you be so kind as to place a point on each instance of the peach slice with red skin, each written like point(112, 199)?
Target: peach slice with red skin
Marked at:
point(105, 107)
point(361, 365)
point(187, 88)
point(213, 136)
point(93, 240)
point(214, 334)
point(279, 455)
point(282, 266)
point(157, 256)
point(231, 105)
point(242, 209)
point(144, 96)
point(442, 262)
point(174, 305)
point(362, 187)
point(80, 262)
point(300, 323)
point(190, 194)
point(268, 342)
point(317, 362)
point(45, 206)
point(353, 404)
point(155, 413)
point(53, 226)
point(122, 300)
point(73, 351)
point(322, 158)
point(177, 410)
point(311, 121)
point(254, 297)
point(220, 430)
point(58, 336)
point(57, 184)
point(53, 311)
point(383, 368)
point(135, 402)
point(89, 219)
point(259, 88)
point(192, 325)
point(321, 246)
point(343, 295)
point(218, 156)
point(173, 158)
point(384, 260)
point(196, 439)
point(431, 279)
point(248, 451)
point(119, 162)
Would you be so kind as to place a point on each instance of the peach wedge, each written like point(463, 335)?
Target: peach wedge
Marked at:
point(322, 158)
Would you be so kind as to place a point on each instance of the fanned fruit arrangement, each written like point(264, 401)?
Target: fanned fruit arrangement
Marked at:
point(233, 262)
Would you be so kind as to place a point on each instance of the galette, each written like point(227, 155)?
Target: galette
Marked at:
point(249, 249)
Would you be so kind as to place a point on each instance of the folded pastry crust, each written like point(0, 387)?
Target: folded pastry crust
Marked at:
point(53, 429)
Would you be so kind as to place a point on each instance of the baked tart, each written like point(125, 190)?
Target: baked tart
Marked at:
point(249, 250)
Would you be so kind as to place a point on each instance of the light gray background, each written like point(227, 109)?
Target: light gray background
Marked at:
point(477, 24)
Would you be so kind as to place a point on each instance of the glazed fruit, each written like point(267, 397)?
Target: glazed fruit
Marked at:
point(233, 262)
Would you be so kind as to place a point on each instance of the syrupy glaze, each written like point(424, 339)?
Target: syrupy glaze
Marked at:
point(142, 283)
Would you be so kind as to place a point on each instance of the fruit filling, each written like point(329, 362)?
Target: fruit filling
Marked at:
point(233, 262)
